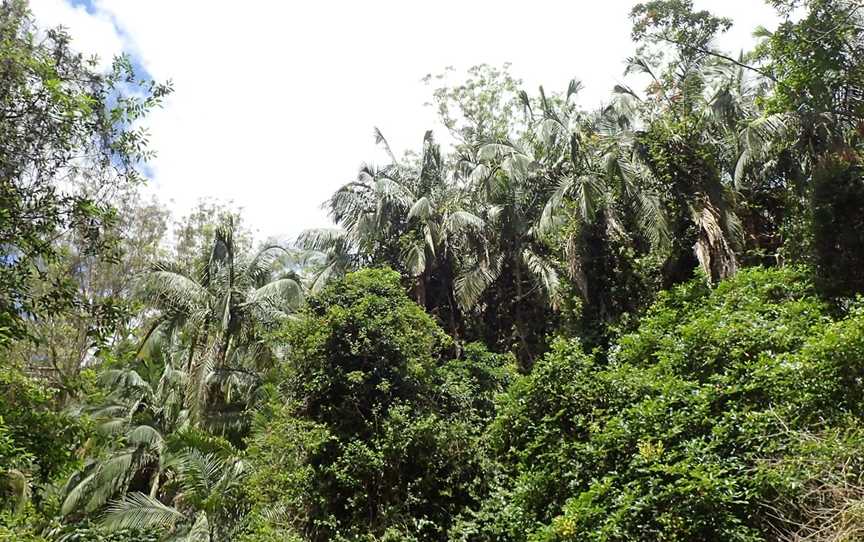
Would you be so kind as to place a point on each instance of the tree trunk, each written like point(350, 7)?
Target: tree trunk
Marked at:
point(420, 289)
point(526, 358)
point(154, 483)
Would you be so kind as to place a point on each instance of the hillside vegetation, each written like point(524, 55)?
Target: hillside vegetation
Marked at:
point(642, 322)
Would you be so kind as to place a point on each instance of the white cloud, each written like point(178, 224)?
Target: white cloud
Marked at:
point(275, 101)
point(91, 33)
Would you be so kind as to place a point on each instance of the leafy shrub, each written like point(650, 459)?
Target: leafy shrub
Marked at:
point(682, 435)
point(838, 225)
point(39, 439)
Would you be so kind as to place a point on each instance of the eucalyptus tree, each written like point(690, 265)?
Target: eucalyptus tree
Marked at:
point(104, 319)
point(62, 120)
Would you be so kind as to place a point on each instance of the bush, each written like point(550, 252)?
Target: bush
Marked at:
point(38, 446)
point(37, 441)
point(838, 225)
point(687, 432)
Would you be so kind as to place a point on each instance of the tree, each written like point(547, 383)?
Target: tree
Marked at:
point(60, 121)
point(812, 127)
point(37, 443)
point(103, 319)
point(690, 123)
point(504, 268)
point(138, 418)
point(207, 507)
point(374, 432)
point(690, 430)
point(409, 215)
point(601, 220)
point(217, 311)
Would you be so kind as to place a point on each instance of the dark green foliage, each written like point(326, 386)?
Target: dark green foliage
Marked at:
point(88, 532)
point(726, 408)
point(38, 446)
point(817, 61)
point(675, 22)
point(364, 347)
point(35, 438)
point(838, 226)
point(377, 433)
point(678, 436)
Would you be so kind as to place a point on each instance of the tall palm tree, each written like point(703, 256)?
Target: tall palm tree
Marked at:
point(590, 157)
point(696, 109)
point(154, 476)
point(437, 220)
point(410, 215)
point(217, 312)
point(510, 191)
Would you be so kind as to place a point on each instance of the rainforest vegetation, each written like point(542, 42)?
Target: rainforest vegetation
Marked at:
point(642, 322)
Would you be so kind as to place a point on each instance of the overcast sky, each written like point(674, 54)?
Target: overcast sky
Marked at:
point(275, 101)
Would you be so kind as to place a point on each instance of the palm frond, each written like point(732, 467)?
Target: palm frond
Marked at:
point(381, 140)
point(414, 259)
point(141, 512)
point(200, 530)
point(145, 435)
point(652, 219)
point(392, 191)
point(421, 209)
point(178, 290)
point(457, 221)
point(471, 284)
point(321, 239)
point(285, 292)
point(545, 273)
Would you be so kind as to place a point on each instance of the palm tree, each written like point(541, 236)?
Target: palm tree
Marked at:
point(437, 223)
point(141, 418)
point(694, 115)
point(328, 254)
point(590, 161)
point(410, 216)
point(217, 312)
point(204, 504)
point(155, 458)
point(510, 190)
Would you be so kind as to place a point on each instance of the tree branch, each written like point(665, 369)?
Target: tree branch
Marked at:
point(704, 51)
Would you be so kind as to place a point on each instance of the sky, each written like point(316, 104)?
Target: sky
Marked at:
point(275, 102)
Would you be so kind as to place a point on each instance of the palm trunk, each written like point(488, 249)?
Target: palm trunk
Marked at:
point(191, 357)
point(154, 483)
point(519, 323)
point(452, 304)
point(420, 289)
